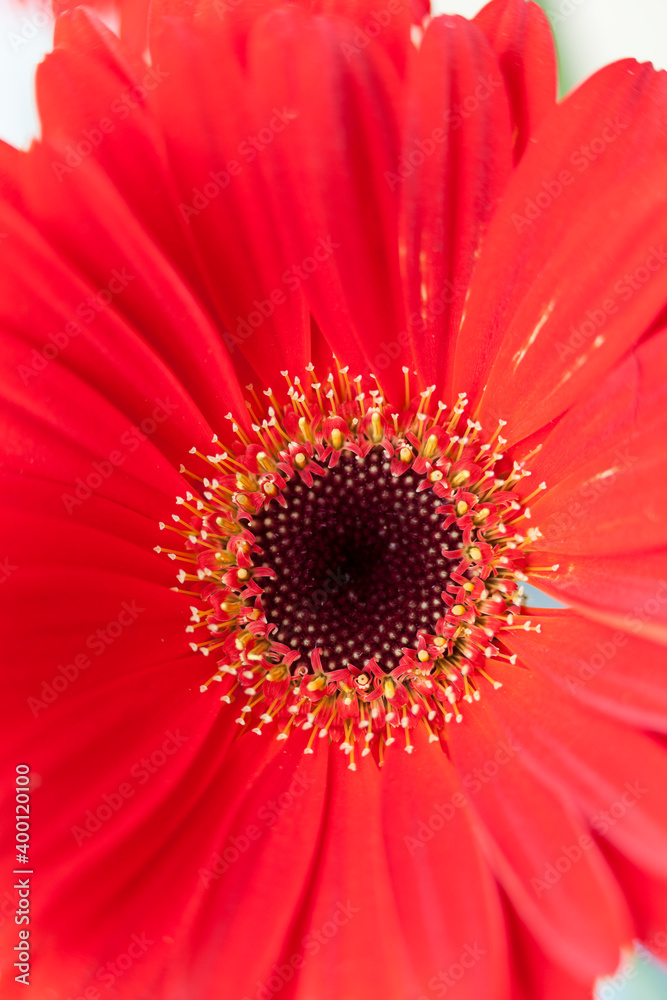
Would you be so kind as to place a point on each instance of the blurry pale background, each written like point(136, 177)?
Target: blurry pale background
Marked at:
point(589, 33)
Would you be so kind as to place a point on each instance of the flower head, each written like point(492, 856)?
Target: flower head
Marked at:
point(325, 329)
point(340, 598)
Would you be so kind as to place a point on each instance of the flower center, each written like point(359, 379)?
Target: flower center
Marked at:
point(354, 564)
point(358, 563)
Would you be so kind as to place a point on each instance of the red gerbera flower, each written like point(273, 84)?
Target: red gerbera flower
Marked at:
point(389, 323)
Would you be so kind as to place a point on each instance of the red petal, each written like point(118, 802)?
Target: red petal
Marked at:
point(105, 682)
point(615, 774)
point(327, 169)
point(623, 591)
point(94, 137)
point(216, 242)
point(133, 18)
point(536, 975)
point(520, 35)
point(153, 291)
point(450, 911)
point(215, 151)
point(524, 306)
point(647, 898)
point(420, 9)
point(580, 921)
point(260, 859)
point(351, 888)
point(389, 25)
point(104, 394)
point(613, 672)
point(607, 494)
point(455, 162)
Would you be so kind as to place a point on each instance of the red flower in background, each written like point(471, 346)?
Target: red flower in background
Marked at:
point(276, 187)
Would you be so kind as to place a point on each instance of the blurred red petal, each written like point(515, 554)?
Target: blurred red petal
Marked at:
point(542, 270)
point(457, 136)
point(607, 495)
point(589, 661)
point(520, 36)
point(580, 922)
point(626, 591)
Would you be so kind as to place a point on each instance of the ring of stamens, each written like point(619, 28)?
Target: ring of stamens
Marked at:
point(354, 564)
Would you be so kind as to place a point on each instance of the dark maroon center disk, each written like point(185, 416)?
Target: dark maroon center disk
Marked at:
point(358, 562)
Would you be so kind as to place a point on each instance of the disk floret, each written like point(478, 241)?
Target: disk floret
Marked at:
point(328, 474)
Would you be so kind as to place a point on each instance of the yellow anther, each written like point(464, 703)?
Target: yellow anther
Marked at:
point(458, 609)
point(225, 557)
point(430, 446)
point(337, 438)
point(462, 508)
point(232, 605)
point(469, 586)
point(376, 425)
point(475, 553)
point(435, 476)
point(270, 489)
point(300, 460)
point(244, 482)
point(405, 454)
point(461, 477)
point(389, 689)
point(317, 683)
point(229, 527)
point(243, 574)
point(259, 649)
point(422, 655)
point(481, 515)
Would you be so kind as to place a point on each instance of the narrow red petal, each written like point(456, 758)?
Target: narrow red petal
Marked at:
point(388, 26)
point(458, 140)
point(610, 670)
point(615, 774)
point(520, 35)
point(348, 908)
point(247, 914)
point(96, 123)
point(536, 975)
point(452, 914)
point(647, 898)
point(533, 340)
point(580, 921)
point(107, 394)
point(133, 18)
point(215, 150)
point(626, 591)
point(608, 493)
point(337, 213)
